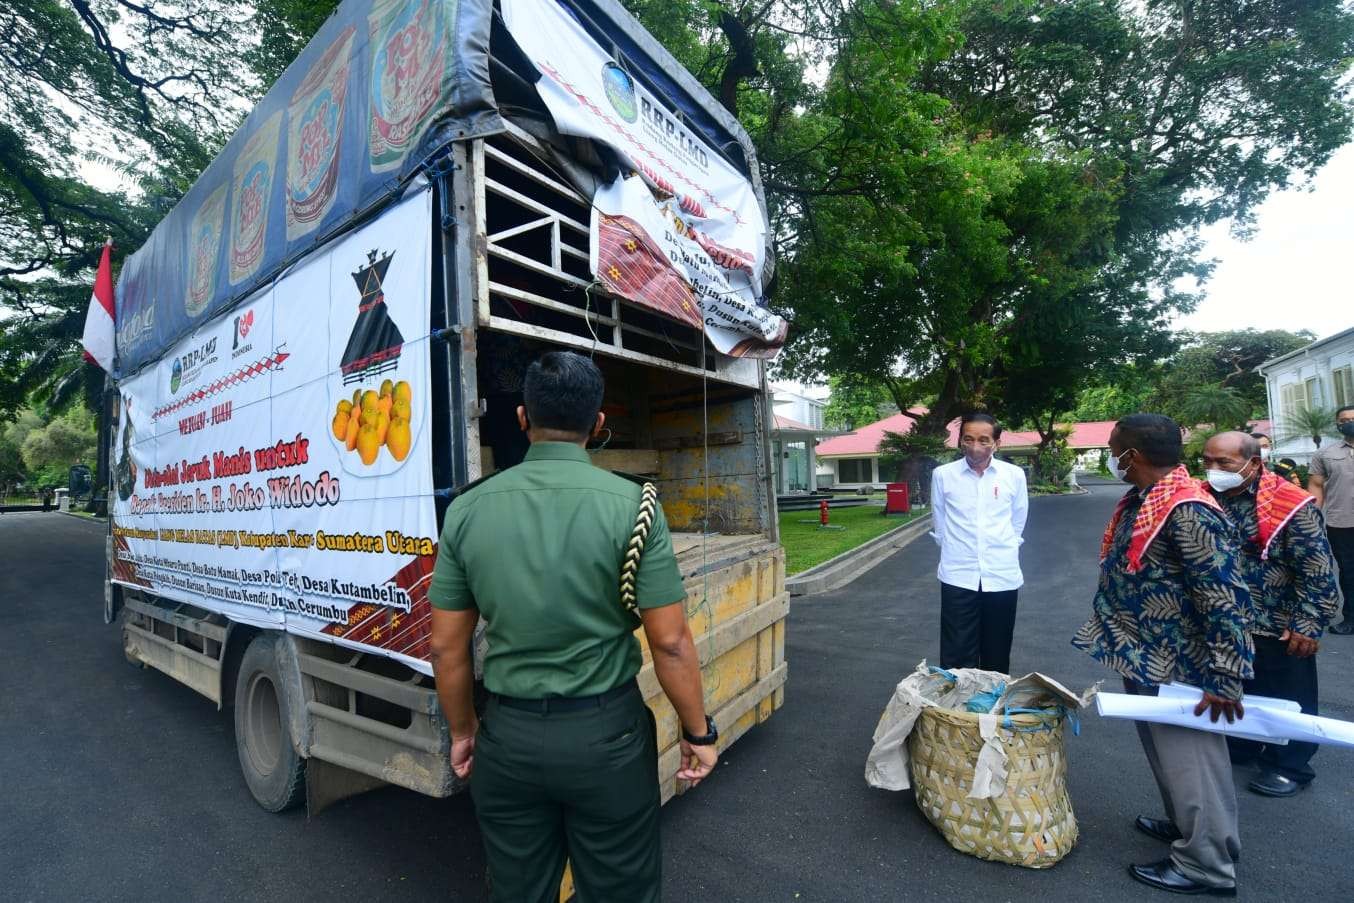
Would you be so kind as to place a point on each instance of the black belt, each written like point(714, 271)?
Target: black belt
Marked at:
point(567, 703)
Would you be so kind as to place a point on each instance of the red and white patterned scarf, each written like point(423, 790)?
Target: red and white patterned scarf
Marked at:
point(1276, 501)
point(1172, 490)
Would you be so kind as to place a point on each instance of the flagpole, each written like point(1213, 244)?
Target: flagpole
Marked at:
point(98, 502)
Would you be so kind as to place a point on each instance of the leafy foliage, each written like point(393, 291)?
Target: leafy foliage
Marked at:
point(1213, 375)
point(853, 404)
point(1309, 423)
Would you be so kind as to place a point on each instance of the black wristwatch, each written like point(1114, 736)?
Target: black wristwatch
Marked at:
point(710, 739)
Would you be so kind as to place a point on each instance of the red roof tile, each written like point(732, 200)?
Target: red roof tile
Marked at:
point(865, 441)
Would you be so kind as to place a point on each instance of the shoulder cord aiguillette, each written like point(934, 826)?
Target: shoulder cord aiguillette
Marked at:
point(634, 549)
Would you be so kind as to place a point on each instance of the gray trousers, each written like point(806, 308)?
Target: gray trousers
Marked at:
point(1194, 775)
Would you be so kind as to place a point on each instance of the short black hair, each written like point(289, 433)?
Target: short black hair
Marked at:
point(980, 417)
point(1250, 447)
point(1289, 461)
point(1258, 436)
point(1155, 436)
point(1340, 410)
point(563, 391)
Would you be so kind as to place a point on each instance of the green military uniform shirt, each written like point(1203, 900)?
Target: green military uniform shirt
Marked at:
point(538, 551)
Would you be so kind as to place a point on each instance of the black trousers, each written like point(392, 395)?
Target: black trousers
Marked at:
point(976, 628)
point(581, 786)
point(1282, 676)
point(1342, 546)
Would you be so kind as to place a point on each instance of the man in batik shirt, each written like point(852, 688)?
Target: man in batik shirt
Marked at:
point(1292, 577)
point(1172, 605)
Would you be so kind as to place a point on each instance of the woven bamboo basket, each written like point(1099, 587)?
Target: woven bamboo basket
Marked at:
point(1031, 824)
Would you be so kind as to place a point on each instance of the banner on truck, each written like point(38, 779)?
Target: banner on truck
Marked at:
point(275, 466)
point(341, 132)
point(692, 221)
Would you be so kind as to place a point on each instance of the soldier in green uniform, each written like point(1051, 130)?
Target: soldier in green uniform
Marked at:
point(563, 763)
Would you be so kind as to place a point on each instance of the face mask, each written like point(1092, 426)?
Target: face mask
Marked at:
point(978, 455)
point(1224, 480)
point(1120, 473)
point(1265, 453)
point(1347, 429)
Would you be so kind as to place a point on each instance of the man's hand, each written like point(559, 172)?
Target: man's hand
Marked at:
point(1216, 706)
point(1299, 646)
point(696, 763)
point(463, 755)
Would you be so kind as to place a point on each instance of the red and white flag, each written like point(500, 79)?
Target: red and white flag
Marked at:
point(99, 328)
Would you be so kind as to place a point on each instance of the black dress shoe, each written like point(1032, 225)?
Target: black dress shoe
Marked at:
point(1162, 829)
point(1344, 628)
point(1271, 783)
point(1164, 875)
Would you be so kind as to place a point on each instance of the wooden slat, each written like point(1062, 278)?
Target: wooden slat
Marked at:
point(525, 227)
point(535, 175)
point(536, 266)
point(629, 460)
point(732, 437)
point(526, 297)
point(558, 337)
point(495, 187)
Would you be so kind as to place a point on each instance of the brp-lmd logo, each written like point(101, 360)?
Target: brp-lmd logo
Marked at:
point(620, 90)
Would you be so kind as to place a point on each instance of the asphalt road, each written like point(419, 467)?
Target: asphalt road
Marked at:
point(117, 783)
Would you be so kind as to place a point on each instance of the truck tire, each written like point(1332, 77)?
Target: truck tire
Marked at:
point(276, 775)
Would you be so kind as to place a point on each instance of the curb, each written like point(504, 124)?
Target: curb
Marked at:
point(837, 572)
point(93, 518)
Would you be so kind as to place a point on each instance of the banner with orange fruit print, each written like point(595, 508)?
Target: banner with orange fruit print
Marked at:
point(276, 465)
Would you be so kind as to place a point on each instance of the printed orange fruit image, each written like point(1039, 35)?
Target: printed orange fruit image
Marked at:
point(398, 439)
point(368, 444)
point(376, 419)
point(350, 439)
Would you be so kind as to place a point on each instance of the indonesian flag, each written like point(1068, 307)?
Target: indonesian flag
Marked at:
point(99, 329)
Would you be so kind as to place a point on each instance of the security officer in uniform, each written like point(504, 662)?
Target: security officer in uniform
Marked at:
point(564, 762)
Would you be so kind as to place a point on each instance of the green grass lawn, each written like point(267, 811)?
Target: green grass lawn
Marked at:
point(806, 545)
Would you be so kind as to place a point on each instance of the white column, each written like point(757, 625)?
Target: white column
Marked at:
point(810, 442)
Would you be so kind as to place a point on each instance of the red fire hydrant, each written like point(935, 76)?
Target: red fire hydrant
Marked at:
point(822, 513)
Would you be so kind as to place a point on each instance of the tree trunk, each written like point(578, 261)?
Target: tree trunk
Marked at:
point(742, 63)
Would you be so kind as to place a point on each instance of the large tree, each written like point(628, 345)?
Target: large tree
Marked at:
point(136, 94)
point(1214, 373)
point(1179, 114)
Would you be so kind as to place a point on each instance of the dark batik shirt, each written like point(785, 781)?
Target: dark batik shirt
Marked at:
point(1183, 615)
point(1295, 588)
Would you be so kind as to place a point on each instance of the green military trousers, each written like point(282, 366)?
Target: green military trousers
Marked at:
point(581, 785)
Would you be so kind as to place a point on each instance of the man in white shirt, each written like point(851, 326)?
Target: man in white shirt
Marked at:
point(978, 510)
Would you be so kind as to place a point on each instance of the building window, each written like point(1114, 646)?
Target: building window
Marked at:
point(1291, 399)
point(1342, 380)
point(854, 470)
point(1313, 387)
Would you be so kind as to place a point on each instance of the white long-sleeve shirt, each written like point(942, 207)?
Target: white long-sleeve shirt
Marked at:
point(977, 520)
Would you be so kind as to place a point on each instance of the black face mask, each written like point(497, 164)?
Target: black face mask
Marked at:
point(1346, 429)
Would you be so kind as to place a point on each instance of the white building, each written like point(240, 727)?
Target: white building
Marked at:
point(1317, 377)
point(795, 434)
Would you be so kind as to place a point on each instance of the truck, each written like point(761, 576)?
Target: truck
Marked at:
point(324, 342)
